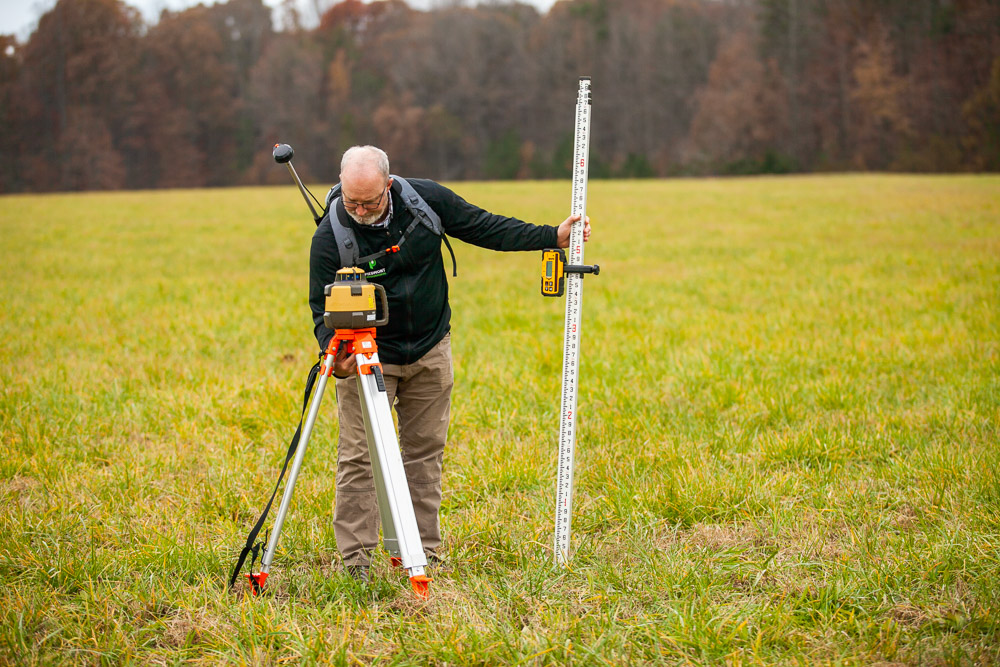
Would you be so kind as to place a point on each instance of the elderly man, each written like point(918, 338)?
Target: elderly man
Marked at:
point(415, 345)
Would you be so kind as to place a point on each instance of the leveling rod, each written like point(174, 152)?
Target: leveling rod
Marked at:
point(557, 278)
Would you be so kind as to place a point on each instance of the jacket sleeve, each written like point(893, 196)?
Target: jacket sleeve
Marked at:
point(324, 262)
point(474, 225)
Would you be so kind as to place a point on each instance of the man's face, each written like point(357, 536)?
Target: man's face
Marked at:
point(365, 195)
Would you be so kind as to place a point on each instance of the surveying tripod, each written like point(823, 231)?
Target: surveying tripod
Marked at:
point(351, 313)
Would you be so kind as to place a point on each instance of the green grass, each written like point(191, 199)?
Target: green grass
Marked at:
point(787, 447)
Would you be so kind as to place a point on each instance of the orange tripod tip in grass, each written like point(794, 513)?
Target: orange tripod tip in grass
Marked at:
point(257, 582)
point(421, 585)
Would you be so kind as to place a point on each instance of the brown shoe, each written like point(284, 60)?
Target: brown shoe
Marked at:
point(360, 573)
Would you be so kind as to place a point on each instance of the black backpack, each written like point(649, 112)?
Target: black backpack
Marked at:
point(422, 214)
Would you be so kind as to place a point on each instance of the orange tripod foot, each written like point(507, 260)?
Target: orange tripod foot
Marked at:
point(257, 582)
point(421, 585)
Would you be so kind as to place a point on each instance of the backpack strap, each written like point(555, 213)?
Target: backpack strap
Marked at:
point(347, 245)
point(422, 211)
point(419, 208)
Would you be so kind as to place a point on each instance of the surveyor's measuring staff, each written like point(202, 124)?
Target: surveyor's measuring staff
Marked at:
point(559, 277)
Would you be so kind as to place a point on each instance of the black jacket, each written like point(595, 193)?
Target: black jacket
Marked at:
point(414, 278)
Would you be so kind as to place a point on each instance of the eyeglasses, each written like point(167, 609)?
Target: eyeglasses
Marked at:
point(368, 205)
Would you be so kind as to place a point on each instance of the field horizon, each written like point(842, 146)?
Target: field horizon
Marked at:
point(787, 448)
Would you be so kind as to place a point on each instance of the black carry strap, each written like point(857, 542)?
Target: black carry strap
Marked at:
point(250, 547)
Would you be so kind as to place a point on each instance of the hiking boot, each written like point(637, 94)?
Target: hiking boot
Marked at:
point(359, 573)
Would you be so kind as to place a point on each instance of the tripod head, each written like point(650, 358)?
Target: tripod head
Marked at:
point(350, 301)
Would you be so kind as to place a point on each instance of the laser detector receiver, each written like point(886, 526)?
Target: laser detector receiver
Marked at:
point(555, 268)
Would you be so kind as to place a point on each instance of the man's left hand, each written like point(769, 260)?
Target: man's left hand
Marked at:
point(567, 224)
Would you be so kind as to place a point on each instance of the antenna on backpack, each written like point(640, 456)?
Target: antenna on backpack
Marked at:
point(283, 154)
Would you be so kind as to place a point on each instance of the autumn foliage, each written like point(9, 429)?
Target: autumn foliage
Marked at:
point(97, 99)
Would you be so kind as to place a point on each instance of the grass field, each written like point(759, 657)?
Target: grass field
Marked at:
point(787, 450)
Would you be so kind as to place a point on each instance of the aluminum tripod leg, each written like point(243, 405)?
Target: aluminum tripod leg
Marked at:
point(286, 497)
point(400, 534)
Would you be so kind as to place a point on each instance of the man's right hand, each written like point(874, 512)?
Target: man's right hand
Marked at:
point(344, 364)
point(565, 228)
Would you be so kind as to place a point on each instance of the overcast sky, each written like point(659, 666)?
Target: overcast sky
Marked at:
point(19, 17)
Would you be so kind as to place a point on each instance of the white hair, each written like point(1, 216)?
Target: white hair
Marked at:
point(367, 155)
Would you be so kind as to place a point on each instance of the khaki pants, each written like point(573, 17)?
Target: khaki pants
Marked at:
point(421, 394)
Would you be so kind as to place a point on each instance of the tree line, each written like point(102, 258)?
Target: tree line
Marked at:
point(99, 99)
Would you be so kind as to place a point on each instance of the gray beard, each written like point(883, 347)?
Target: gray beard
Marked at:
point(366, 220)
